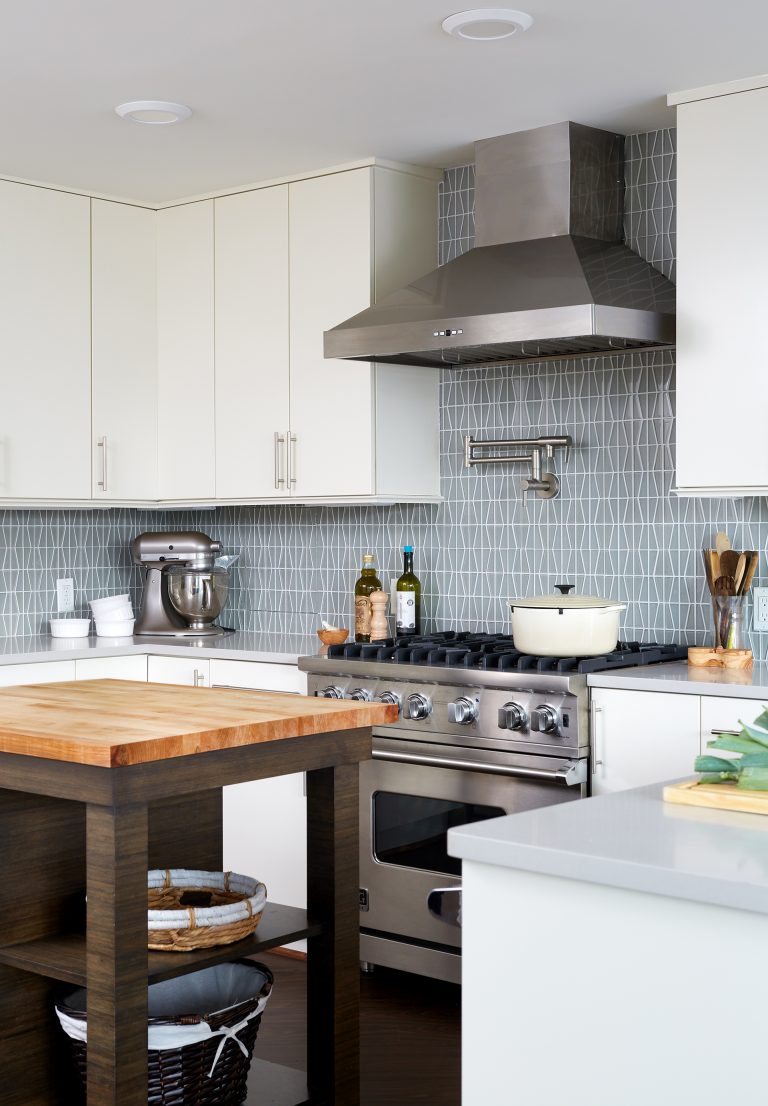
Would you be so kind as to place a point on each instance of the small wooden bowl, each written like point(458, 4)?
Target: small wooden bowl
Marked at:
point(332, 637)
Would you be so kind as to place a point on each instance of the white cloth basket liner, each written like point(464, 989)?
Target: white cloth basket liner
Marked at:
point(181, 918)
point(212, 990)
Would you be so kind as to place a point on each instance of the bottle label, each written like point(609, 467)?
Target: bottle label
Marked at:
point(406, 610)
point(362, 615)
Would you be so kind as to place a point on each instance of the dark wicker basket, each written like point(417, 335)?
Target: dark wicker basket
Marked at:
point(180, 1076)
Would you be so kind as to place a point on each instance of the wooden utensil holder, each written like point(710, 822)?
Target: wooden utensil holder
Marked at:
point(707, 657)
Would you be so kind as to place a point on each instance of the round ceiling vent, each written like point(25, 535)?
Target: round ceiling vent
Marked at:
point(153, 112)
point(487, 24)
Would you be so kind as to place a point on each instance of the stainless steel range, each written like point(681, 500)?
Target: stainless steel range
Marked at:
point(483, 731)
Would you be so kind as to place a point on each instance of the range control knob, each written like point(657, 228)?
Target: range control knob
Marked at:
point(512, 716)
point(544, 719)
point(330, 692)
point(419, 707)
point(462, 712)
point(391, 698)
point(361, 695)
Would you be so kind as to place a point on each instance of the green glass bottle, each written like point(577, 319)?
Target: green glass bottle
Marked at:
point(408, 590)
point(367, 582)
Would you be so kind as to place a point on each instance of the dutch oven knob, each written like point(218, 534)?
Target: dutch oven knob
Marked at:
point(564, 588)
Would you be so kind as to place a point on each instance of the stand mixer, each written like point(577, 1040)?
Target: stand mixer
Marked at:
point(184, 589)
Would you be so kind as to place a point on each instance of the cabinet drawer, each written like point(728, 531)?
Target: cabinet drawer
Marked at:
point(41, 672)
point(258, 676)
point(725, 714)
point(112, 668)
point(190, 671)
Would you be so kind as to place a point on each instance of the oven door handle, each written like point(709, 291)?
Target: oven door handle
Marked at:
point(571, 775)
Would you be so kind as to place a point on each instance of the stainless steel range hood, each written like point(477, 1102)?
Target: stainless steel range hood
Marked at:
point(548, 277)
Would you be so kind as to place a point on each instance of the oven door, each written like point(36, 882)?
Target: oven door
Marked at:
point(411, 794)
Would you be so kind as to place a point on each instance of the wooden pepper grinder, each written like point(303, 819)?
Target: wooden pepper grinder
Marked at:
point(379, 626)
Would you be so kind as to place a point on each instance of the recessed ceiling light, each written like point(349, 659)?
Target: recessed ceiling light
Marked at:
point(487, 24)
point(153, 112)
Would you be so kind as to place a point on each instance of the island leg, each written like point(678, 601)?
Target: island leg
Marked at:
point(116, 849)
point(333, 962)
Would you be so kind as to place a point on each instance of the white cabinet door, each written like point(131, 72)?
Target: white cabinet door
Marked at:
point(45, 344)
point(39, 672)
point(179, 670)
point(722, 242)
point(252, 344)
point(641, 737)
point(186, 418)
point(124, 322)
point(133, 667)
point(720, 715)
point(265, 821)
point(332, 402)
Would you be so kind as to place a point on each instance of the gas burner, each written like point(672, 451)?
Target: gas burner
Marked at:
point(496, 652)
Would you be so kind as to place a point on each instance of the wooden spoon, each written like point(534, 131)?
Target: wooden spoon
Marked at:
point(741, 569)
point(708, 570)
point(725, 585)
point(729, 563)
point(714, 560)
point(722, 542)
point(749, 575)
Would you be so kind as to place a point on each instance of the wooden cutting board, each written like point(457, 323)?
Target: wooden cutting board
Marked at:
point(718, 796)
point(117, 722)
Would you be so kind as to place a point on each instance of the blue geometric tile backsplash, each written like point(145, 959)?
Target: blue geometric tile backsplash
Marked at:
point(616, 530)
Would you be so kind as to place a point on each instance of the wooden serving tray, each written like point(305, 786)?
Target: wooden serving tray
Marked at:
point(717, 796)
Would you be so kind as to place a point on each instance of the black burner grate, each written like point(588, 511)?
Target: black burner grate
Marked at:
point(453, 649)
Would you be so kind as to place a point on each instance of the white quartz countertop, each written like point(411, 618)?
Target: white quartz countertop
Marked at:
point(241, 645)
point(634, 840)
point(750, 683)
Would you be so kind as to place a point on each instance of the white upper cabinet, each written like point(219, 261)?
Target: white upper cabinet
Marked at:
point(252, 344)
point(124, 351)
point(358, 430)
point(45, 344)
point(186, 399)
point(722, 239)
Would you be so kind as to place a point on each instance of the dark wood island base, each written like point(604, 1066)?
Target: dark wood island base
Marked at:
point(69, 827)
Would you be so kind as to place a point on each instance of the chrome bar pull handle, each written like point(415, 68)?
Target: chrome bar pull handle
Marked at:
point(199, 678)
point(596, 761)
point(291, 459)
point(279, 475)
point(102, 445)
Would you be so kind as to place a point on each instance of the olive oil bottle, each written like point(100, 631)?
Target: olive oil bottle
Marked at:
point(408, 593)
point(367, 582)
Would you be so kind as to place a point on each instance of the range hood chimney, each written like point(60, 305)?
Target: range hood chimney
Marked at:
point(549, 275)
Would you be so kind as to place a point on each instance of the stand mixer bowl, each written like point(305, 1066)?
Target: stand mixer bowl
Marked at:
point(197, 594)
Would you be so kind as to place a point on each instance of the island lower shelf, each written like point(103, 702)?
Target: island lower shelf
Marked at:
point(63, 956)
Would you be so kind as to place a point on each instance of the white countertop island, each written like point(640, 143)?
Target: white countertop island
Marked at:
point(614, 954)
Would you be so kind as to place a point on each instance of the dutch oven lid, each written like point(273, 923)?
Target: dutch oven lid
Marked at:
point(564, 601)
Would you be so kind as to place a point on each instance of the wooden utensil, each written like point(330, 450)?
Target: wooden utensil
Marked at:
point(708, 570)
point(725, 585)
point(714, 561)
point(729, 560)
point(749, 575)
point(722, 542)
point(741, 568)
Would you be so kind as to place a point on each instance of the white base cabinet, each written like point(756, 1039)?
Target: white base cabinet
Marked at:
point(132, 667)
point(39, 672)
point(641, 737)
point(188, 671)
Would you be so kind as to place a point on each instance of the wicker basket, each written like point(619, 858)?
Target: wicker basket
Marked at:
point(196, 910)
point(212, 1070)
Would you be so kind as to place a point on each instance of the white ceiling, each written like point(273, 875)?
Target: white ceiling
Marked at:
point(283, 87)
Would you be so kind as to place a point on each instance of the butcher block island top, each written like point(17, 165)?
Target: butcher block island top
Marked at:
point(115, 723)
point(102, 780)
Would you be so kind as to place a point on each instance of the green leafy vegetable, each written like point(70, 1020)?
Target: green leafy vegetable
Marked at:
point(736, 744)
point(750, 770)
point(715, 764)
point(753, 779)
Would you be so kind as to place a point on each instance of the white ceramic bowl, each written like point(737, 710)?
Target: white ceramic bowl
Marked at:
point(109, 604)
point(70, 627)
point(115, 627)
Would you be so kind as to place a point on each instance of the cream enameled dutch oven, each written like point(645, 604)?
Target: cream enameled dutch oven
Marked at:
point(565, 625)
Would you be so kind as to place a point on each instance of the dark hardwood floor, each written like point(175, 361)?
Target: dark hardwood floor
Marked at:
point(410, 1026)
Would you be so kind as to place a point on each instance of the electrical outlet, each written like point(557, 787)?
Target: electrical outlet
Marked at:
point(65, 596)
point(760, 609)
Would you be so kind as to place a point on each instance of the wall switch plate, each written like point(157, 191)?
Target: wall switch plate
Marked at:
point(65, 596)
point(760, 609)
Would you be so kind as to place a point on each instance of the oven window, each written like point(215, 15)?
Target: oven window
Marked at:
point(409, 830)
